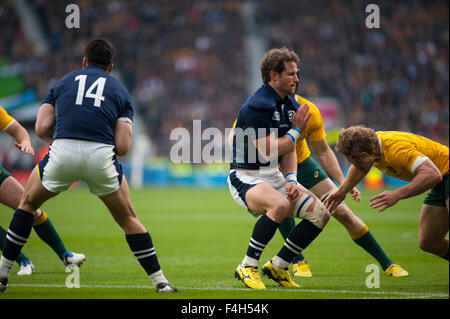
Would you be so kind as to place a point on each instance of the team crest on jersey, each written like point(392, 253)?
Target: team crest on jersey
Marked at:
point(291, 114)
point(276, 116)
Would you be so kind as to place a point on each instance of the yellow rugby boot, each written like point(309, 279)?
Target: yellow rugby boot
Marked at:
point(395, 270)
point(250, 277)
point(301, 269)
point(281, 276)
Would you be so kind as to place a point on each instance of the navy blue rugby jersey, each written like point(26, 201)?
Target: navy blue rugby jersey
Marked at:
point(88, 104)
point(262, 113)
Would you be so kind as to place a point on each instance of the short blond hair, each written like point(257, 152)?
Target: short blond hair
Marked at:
point(356, 140)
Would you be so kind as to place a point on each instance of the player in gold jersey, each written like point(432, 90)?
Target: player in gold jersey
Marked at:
point(316, 178)
point(410, 157)
point(11, 192)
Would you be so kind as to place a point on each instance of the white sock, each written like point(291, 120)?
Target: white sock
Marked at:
point(249, 261)
point(158, 277)
point(5, 266)
point(280, 263)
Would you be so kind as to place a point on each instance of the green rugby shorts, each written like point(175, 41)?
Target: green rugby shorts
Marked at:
point(4, 174)
point(438, 194)
point(309, 173)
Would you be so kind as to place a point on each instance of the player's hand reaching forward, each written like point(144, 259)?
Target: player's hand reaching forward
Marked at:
point(356, 195)
point(25, 147)
point(334, 199)
point(384, 200)
point(21, 137)
point(301, 117)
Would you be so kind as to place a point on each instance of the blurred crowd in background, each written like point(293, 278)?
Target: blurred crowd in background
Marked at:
point(185, 60)
point(391, 78)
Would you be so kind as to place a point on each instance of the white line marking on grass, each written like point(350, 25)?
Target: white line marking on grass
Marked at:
point(363, 292)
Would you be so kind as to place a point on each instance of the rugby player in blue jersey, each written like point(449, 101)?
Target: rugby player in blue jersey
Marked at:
point(87, 119)
point(265, 183)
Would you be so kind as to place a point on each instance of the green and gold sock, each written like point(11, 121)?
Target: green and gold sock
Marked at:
point(45, 230)
point(365, 239)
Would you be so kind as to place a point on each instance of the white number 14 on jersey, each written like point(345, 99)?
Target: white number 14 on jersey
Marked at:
point(98, 85)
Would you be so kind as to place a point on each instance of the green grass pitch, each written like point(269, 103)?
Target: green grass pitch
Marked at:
point(200, 236)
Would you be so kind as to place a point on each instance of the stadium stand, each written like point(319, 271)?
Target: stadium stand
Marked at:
point(392, 78)
point(186, 60)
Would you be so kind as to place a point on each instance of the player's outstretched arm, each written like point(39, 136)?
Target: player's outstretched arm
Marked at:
point(45, 122)
point(426, 176)
point(122, 137)
point(21, 136)
point(328, 160)
point(330, 163)
point(354, 176)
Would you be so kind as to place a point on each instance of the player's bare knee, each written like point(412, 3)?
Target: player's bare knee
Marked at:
point(428, 245)
point(343, 215)
point(309, 207)
point(280, 209)
point(425, 247)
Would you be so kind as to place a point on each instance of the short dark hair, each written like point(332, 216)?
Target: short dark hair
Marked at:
point(99, 52)
point(274, 60)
